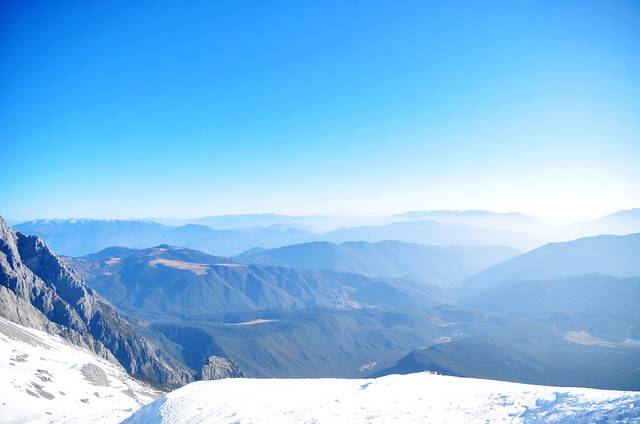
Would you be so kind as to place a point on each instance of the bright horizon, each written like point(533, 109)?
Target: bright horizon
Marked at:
point(327, 109)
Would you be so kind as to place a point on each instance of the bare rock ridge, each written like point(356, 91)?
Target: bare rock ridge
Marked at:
point(37, 289)
point(217, 368)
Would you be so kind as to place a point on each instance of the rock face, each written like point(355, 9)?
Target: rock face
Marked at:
point(217, 368)
point(38, 290)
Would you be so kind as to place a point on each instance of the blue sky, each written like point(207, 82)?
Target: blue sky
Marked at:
point(151, 108)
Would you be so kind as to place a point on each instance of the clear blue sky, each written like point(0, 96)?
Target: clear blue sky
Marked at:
point(152, 108)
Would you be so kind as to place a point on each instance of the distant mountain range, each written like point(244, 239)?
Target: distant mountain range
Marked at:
point(510, 221)
point(438, 265)
point(79, 237)
point(311, 223)
point(619, 223)
point(82, 236)
point(229, 235)
point(434, 233)
point(75, 237)
point(611, 255)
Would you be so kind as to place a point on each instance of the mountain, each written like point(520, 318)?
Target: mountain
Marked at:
point(233, 242)
point(619, 223)
point(47, 379)
point(530, 352)
point(416, 398)
point(434, 233)
point(437, 265)
point(82, 236)
point(271, 321)
point(600, 308)
point(76, 237)
point(617, 256)
point(311, 223)
point(168, 280)
point(312, 342)
point(510, 221)
point(553, 332)
point(38, 289)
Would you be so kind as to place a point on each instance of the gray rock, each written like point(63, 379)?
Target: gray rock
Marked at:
point(217, 368)
point(95, 374)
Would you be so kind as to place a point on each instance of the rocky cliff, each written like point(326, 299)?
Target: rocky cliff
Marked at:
point(37, 289)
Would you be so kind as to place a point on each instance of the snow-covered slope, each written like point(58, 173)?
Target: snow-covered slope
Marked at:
point(45, 379)
point(413, 398)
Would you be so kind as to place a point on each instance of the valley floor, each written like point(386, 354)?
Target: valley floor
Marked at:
point(412, 398)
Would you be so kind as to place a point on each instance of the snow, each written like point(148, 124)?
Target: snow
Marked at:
point(367, 366)
point(253, 322)
point(198, 269)
point(413, 398)
point(45, 379)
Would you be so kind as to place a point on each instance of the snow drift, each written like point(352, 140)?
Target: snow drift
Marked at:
point(413, 398)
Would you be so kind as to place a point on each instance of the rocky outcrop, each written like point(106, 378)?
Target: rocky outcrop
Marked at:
point(217, 368)
point(37, 289)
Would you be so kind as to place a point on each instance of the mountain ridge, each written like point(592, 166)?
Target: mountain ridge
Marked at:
point(614, 255)
point(438, 265)
point(178, 281)
point(31, 274)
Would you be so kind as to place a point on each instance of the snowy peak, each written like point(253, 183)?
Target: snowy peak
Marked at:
point(47, 379)
point(422, 397)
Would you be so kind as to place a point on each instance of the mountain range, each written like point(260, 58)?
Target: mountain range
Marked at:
point(606, 254)
point(443, 266)
point(76, 237)
point(229, 235)
point(169, 314)
point(530, 352)
point(553, 331)
point(602, 308)
point(434, 233)
point(619, 223)
point(169, 280)
point(510, 221)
